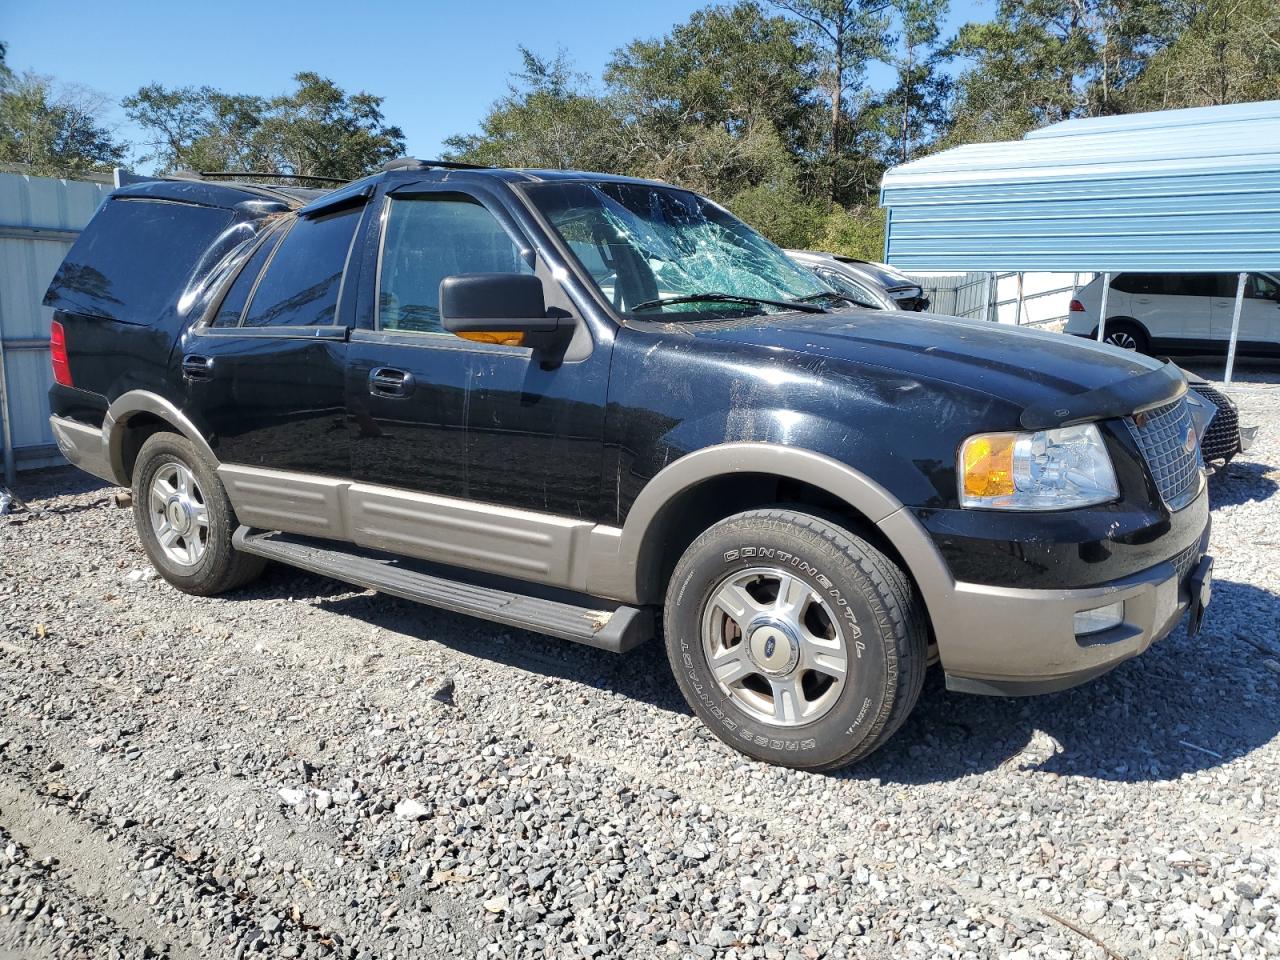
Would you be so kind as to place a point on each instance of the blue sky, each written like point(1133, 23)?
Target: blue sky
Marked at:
point(439, 65)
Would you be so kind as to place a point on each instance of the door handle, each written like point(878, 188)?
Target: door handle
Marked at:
point(197, 367)
point(1143, 299)
point(390, 382)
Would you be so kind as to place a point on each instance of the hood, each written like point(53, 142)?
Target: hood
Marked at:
point(1030, 368)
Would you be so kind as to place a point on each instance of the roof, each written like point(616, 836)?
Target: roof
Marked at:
point(230, 193)
point(1175, 190)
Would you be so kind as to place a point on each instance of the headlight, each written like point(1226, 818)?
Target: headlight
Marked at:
point(1045, 470)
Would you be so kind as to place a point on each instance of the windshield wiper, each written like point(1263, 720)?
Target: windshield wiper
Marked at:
point(838, 296)
point(713, 297)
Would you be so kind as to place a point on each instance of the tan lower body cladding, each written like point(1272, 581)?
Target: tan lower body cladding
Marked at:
point(519, 543)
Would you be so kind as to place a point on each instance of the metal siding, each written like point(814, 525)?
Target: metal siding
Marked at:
point(1176, 191)
point(27, 264)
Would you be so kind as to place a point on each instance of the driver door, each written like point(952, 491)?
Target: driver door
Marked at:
point(486, 424)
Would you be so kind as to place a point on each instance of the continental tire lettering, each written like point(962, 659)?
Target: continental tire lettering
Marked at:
point(831, 590)
point(862, 715)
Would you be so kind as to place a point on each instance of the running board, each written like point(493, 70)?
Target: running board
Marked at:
point(617, 630)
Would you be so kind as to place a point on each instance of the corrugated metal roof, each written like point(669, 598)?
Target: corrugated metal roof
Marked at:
point(39, 218)
point(1178, 190)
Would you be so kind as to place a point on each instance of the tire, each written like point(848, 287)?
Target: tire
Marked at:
point(780, 695)
point(173, 489)
point(1126, 335)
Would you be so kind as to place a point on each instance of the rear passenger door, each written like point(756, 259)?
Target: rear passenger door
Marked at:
point(1259, 314)
point(264, 376)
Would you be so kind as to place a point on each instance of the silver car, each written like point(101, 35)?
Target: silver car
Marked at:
point(889, 289)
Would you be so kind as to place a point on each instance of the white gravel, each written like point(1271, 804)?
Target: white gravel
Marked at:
point(305, 770)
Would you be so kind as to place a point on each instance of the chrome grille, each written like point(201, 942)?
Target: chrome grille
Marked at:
point(1161, 436)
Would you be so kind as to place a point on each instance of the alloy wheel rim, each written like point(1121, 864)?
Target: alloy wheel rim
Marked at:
point(1124, 341)
point(774, 646)
point(179, 514)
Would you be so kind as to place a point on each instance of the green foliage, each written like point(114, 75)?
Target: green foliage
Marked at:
point(765, 106)
point(1225, 51)
point(53, 130)
point(548, 119)
point(316, 130)
point(853, 232)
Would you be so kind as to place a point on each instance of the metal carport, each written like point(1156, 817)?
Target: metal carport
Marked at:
point(1175, 191)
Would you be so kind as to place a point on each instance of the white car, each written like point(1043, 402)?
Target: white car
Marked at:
point(1181, 313)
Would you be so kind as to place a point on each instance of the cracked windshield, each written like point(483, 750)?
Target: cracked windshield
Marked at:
point(655, 252)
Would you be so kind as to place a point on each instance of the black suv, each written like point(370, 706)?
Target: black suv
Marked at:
point(604, 409)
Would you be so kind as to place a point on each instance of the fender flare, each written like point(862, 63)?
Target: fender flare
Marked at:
point(617, 552)
point(128, 405)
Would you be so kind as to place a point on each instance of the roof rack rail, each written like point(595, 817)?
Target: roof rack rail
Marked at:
point(267, 174)
point(413, 163)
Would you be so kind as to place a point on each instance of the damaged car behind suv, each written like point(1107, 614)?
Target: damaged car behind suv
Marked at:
point(606, 410)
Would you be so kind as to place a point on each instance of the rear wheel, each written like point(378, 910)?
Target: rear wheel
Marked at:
point(1126, 335)
point(794, 640)
point(185, 520)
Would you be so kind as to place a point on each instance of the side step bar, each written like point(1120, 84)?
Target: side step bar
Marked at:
point(617, 630)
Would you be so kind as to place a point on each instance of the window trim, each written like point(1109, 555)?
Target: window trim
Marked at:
point(357, 213)
point(205, 324)
point(523, 248)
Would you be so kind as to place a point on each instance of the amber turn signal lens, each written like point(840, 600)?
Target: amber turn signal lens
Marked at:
point(987, 461)
point(506, 338)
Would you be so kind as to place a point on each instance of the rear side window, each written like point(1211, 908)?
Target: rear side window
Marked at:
point(303, 277)
point(1136, 283)
point(1198, 284)
point(232, 308)
point(134, 259)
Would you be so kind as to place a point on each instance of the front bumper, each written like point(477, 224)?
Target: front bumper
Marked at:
point(1014, 642)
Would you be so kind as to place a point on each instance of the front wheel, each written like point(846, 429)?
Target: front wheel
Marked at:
point(794, 640)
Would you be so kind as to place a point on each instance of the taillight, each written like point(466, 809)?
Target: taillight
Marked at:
point(1076, 306)
point(58, 354)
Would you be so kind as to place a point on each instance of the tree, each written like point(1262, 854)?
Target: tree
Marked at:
point(320, 130)
point(1223, 51)
point(1041, 61)
point(317, 130)
point(851, 34)
point(915, 109)
point(198, 128)
point(53, 129)
point(549, 119)
point(731, 67)
point(721, 104)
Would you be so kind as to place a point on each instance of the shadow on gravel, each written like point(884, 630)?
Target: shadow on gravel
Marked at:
point(1242, 482)
point(640, 675)
point(1183, 706)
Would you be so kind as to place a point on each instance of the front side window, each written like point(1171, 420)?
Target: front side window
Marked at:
point(428, 239)
point(1262, 287)
point(644, 244)
point(302, 280)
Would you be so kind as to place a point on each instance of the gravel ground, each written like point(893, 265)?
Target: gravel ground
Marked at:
point(305, 770)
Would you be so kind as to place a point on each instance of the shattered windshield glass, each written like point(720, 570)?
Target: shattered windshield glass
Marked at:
point(643, 245)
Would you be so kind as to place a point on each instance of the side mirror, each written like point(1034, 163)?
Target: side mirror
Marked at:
point(504, 308)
